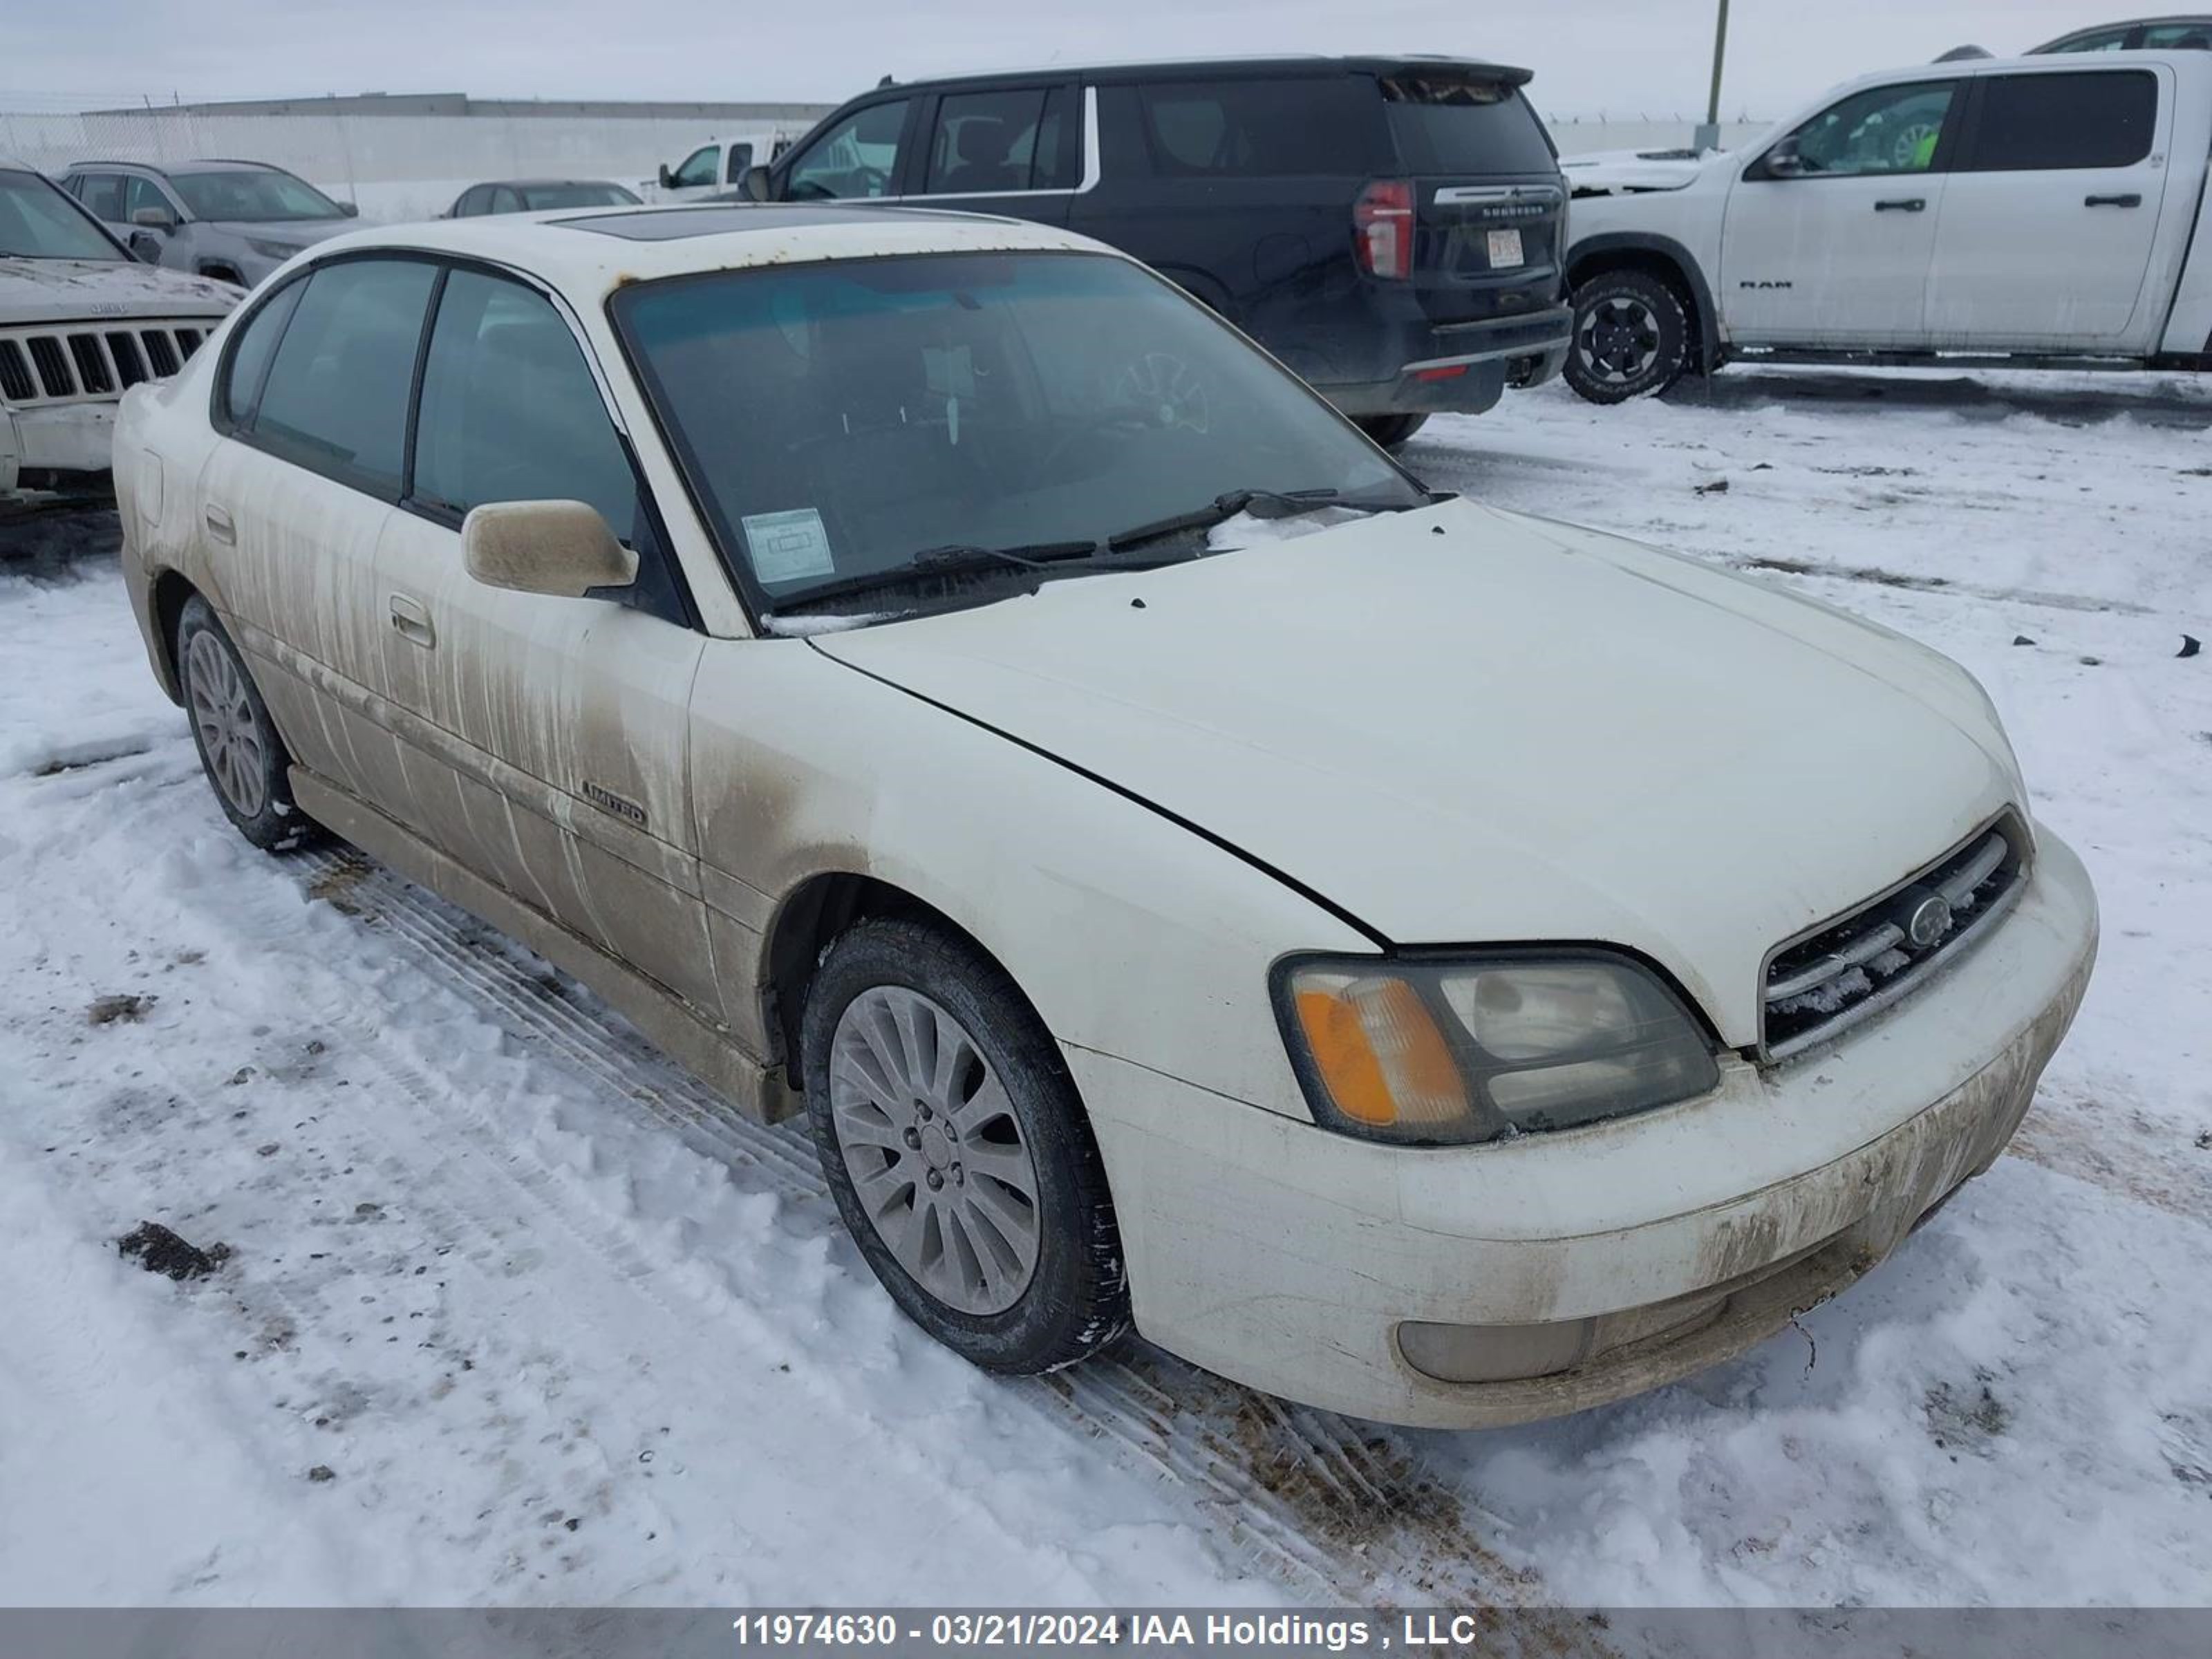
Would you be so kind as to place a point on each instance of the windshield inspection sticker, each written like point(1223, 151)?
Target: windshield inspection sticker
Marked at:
point(786, 547)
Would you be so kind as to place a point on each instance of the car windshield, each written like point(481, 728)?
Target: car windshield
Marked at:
point(538, 198)
point(37, 222)
point(849, 422)
point(252, 196)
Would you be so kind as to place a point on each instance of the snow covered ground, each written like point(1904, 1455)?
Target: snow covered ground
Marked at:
point(512, 1315)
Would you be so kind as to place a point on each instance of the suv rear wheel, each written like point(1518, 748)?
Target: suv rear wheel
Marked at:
point(1632, 337)
point(1389, 430)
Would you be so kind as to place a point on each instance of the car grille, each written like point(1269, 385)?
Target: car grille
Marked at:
point(90, 364)
point(1821, 983)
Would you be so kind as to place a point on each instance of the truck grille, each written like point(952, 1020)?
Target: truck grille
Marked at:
point(1821, 983)
point(90, 364)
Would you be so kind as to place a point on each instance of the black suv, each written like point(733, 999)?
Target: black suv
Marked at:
point(1391, 228)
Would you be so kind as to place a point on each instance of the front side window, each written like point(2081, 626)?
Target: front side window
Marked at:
point(141, 194)
point(986, 143)
point(336, 399)
point(510, 411)
point(741, 157)
point(544, 198)
point(1883, 130)
point(859, 157)
point(2051, 123)
point(838, 421)
point(2115, 39)
point(1306, 126)
point(698, 169)
point(253, 196)
point(38, 221)
point(2194, 35)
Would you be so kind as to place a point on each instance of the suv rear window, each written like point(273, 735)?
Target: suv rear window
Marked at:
point(1463, 124)
point(1250, 128)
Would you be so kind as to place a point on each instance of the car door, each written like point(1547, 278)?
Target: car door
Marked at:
point(544, 739)
point(311, 398)
point(861, 156)
point(1016, 149)
point(2051, 212)
point(1828, 234)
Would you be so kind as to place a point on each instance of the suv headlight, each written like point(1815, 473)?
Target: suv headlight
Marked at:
point(279, 251)
point(1467, 1048)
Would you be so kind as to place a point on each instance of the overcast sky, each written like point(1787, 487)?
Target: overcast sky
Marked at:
point(1613, 57)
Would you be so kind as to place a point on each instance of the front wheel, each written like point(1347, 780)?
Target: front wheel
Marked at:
point(1632, 337)
point(952, 1139)
point(1389, 430)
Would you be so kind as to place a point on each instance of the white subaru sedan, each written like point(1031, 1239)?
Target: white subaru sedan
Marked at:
point(932, 676)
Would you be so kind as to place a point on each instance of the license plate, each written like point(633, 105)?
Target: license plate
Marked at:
point(1504, 247)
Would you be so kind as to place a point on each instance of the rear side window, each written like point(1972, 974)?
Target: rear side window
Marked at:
point(336, 401)
point(2050, 122)
point(1237, 129)
point(102, 192)
point(250, 358)
point(510, 411)
point(1463, 124)
point(993, 141)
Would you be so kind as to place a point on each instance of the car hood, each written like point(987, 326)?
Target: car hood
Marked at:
point(77, 290)
point(1460, 726)
point(1629, 171)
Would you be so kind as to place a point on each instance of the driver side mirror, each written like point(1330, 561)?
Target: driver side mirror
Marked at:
point(146, 249)
point(757, 186)
point(155, 218)
point(1783, 162)
point(351, 209)
point(563, 549)
point(667, 178)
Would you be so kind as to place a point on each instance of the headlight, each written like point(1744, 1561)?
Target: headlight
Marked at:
point(272, 250)
point(1463, 1050)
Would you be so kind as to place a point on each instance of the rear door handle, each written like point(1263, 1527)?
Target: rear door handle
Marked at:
point(1902, 204)
point(220, 526)
point(2129, 200)
point(411, 621)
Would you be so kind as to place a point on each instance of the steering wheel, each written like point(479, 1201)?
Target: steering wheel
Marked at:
point(1124, 423)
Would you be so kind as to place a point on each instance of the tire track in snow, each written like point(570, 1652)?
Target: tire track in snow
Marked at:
point(1330, 1509)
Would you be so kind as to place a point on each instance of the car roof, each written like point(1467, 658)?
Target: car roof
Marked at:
point(585, 253)
point(541, 184)
point(1193, 69)
point(210, 164)
point(2184, 63)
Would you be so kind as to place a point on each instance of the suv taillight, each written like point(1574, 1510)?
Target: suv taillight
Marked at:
point(1383, 228)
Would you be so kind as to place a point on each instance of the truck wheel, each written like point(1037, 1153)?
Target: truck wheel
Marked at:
point(1632, 337)
point(952, 1138)
point(244, 758)
point(1389, 430)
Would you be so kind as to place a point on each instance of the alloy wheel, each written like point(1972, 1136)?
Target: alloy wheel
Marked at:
point(230, 736)
point(935, 1150)
point(1618, 340)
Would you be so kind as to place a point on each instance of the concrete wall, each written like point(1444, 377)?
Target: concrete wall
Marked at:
point(407, 157)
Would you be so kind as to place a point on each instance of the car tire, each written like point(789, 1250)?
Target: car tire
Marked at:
point(245, 762)
point(1389, 430)
point(1632, 337)
point(927, 1157)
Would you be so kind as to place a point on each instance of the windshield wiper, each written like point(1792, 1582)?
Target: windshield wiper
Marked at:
point(954, 559)
point(1278, 503)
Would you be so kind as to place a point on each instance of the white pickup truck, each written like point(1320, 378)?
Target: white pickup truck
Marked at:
point(2036, 212)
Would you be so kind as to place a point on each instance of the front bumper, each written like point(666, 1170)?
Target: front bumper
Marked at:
point(1287, 1257)
point(71, 439)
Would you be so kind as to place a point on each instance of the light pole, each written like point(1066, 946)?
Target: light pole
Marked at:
point(1708, 136)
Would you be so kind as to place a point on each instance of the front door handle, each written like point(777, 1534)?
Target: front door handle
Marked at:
point(1902, 204)
point(219, 526)
point(2129, 200)
point(411, 620)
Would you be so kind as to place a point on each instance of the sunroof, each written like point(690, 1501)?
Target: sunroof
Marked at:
point(720, 218)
